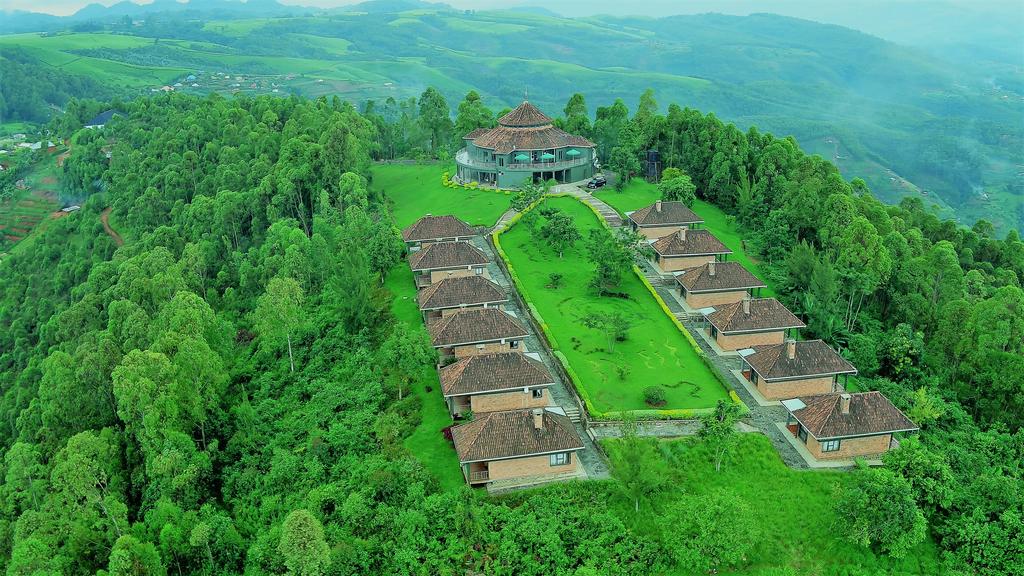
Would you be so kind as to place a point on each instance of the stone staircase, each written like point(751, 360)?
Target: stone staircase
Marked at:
point(572, 412)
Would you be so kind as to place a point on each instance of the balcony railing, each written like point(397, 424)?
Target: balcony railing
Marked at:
point(479, 476)
point(462, 157)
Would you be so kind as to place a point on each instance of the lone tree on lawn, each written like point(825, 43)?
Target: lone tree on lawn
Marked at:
point(676, 185)
point(639, 469)
point(610, 257)
point(718, 430)
point(614, 325)
point(279, 313)
point(559, 231)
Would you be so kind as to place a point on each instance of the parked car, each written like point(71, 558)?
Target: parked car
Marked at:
point(597, 182)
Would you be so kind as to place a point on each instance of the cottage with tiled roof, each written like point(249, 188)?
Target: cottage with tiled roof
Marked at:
point(663, 218)
point(530, 445)
point(440, 260)
point(750, 322)
point(495, 382)
point(448, 295)
point(717, 283)
point(476, 331)
point(795, 368)
point(430, 229)
point(525, 147)
point(841, 426)
point(685, 249)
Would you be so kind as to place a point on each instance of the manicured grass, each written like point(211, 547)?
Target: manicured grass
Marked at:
point(655, 352)
point(415, 190)
point(793, 510)
point(426, 442)
point(639, 193)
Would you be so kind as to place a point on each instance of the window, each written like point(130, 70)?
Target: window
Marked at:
point(513, 344)
point(830, 446)
point(560, 459)
point(538, 392)
point(479, 271)
point(802, 434)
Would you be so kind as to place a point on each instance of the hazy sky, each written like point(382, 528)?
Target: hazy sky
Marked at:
point(844, 12)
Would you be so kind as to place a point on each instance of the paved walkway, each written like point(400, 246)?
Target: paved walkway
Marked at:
point(592, 459)
point(607, 212)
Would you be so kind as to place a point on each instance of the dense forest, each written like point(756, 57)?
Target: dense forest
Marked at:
point(216, 395)
point(30, 91)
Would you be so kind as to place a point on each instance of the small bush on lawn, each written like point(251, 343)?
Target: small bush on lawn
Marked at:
point(654, 396)
point(554, 280)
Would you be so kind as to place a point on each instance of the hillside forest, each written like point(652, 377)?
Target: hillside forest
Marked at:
point(913, 123)
point(220, 394)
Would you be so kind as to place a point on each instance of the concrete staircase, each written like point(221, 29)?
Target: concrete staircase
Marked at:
point(572, 412)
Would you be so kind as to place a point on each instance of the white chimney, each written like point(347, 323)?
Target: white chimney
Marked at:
point(657, 206)
point(682, 234)
point(538, 418)
point(746, 304)
point(711, 268)
point(844, 403)
point(791, 348)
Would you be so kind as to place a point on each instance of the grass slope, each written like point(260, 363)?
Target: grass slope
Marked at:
point(426, 442)
point(416, 190)
point(793, 510)
point(639, 193)
point(655, 353)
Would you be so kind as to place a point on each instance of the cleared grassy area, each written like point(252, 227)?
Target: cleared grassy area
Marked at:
point(794, 511)
point(28, 209)
point(639, 193)
point(415, 190)
point(655, 352)
point(426, 442)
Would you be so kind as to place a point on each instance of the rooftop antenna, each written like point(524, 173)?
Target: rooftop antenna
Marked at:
point(526, 94)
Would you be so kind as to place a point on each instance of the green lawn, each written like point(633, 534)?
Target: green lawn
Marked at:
point(426, 442)
point(415, 190)
point(655, 352)
point(793, 511)
point(640, 193)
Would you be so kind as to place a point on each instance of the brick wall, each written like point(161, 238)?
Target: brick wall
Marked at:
point(658, 232)
point(507, 401)
point(489, 348)
point(740, 341)
point(683, 263)
point(436, 275)
point(793, 388)
point(714, 298)
point(528, 466)
point(851, 447)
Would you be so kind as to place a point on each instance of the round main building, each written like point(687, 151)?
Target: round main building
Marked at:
point(525, 147)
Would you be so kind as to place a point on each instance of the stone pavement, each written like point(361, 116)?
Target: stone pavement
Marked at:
point(592, 459)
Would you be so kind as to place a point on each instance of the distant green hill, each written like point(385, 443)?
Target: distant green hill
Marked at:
point(903, 120)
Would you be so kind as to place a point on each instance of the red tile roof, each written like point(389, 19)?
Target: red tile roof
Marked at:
point(765, 314)
point(810, 358)
point(497, 435)
point(443, 255)
point(459, 291)
point(493, 372)
point(690, 243)
point(505, 139)
point(475, 325)
point(727, 276)
point(437, 228)
point(870, 413)
point(665, 213)
point(524, 115)
point(475, 133)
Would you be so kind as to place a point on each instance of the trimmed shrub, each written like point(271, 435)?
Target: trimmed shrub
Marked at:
point(654, 396)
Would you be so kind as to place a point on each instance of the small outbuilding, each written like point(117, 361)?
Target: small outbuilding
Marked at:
point(750, 322)
point(477, 331)
point(717, 283)
point(663, 218)
point(441, 260)
point(494, 382)
point(685, 249)
point(795, 368)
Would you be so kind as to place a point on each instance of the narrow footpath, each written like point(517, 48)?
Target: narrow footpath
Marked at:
point(761, 419)
point(105, 220)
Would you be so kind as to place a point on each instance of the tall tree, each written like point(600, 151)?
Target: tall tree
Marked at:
point(279, 313)
point(718, 430)
point(472, 114)
point(302, 546)
point(435, 119)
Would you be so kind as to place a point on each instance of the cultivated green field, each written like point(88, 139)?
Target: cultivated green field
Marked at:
point(794, 511)
point(416, 190)
point(29, 208)
point(639, 193)
point(427, 442)
point(655, 352)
